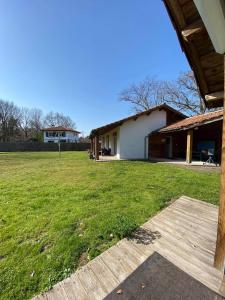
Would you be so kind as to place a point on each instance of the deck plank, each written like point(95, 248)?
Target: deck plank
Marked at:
point(184, 233)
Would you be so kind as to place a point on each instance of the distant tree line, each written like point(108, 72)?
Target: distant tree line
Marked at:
point(24, 124)
point(182, 94)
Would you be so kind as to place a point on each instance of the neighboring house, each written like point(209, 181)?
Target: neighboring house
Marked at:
point(59, 133)
point(204, 131)
point(128, 138)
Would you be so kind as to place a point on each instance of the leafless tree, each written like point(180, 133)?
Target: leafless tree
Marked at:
point(24, 122)
point(143, 95)
point(36, 123)
point(58, 119)
point(182, 94)
point(9, 120)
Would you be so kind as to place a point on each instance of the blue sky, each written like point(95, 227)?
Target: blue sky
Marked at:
point(76, 56)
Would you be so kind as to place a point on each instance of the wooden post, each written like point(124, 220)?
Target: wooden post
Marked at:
point(220, 243)
point(189, 146)
point(97, 148)
point(91, 145)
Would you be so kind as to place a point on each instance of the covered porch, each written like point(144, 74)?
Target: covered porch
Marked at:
point(189, 141)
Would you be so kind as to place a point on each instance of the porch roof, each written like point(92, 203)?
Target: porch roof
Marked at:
point(192, 122)
point(194, 39)
point(106, 128)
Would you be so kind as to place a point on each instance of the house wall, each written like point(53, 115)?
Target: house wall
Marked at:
point(134, 133)
point(69, 137)
point(110, 134)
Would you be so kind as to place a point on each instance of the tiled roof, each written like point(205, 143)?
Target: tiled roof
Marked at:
point(193, 121)
point(59, 128)
point(111, 126)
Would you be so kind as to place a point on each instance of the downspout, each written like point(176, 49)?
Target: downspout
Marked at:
point(146, 144)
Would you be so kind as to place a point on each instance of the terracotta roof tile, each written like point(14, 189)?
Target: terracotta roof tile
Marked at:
point(193, 121)
point(59, 128)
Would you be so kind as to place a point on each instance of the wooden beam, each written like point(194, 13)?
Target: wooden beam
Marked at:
point(215, 96)
point(92, 145)
point(189, 146)
point(189, 31)
point(220, 243)
point(97, 147)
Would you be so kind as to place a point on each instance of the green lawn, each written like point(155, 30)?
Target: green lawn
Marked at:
point(56, 213)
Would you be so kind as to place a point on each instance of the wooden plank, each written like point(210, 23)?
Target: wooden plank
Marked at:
point(104, 274)
point(196, 218)
point(97, 147)
point(196, 242)
point(193, 222)
point(91, 284)
point(189, 146)
point(198, 203)
point(74, 289)
point(189, 233)
point(220, 243)
point(215, 96)
point(191, 30)
point(193, 247)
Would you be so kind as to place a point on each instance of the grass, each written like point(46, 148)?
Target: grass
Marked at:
point(56, 213)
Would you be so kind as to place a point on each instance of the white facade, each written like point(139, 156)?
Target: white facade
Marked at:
point(130, 140)
point(63, 136)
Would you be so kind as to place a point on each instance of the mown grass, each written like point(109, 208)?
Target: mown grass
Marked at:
point(56, 213)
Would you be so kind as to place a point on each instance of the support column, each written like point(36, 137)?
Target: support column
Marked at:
point(92, 145)
point(220, 243)
point(97, 148)
point(189, 146)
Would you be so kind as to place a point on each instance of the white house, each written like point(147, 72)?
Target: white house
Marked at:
point(55, 134)
point(128, 138)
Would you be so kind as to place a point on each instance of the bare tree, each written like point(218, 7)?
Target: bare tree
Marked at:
point(58, 119)
point(9, 120)
point(24, 122)
point(182, 94)
point(143, 95)
point(36, 123)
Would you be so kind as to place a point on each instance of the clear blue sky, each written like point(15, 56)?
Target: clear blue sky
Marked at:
point(75, 56)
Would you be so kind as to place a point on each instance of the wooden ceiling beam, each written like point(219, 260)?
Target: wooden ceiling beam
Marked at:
point(215, 96)
point(191, 30)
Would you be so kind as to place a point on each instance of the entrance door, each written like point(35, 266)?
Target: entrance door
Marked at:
point(168, 147)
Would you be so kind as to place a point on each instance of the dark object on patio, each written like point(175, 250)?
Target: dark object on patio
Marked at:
point(91, 155)
point(159, 279)
point(106, 151)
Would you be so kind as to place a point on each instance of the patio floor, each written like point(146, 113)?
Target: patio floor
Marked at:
point(169, 257)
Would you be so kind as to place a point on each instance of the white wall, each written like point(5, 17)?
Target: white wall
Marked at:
point(69, 137)
point(111, 141)
point(133, 133)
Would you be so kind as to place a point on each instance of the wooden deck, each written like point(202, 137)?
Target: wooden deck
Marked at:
point(184, 233)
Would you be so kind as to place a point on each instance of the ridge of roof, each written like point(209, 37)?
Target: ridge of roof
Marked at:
point(135, 116)
point(59, 128)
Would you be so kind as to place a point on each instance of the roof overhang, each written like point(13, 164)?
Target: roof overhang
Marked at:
point(188, 127)
point(199, 39)
point(109, 127)
point(213, 17)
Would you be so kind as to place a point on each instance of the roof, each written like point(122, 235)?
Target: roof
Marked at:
point(103, 129)
point(194, 121)
point(59, 128)
point(206, 64)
